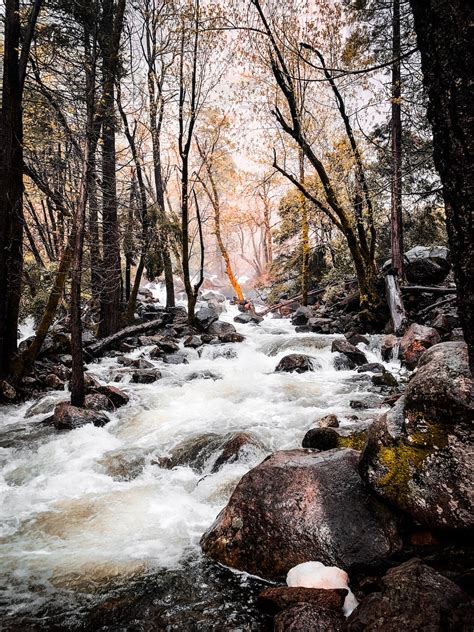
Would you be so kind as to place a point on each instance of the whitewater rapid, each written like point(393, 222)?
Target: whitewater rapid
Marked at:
point(67, 522)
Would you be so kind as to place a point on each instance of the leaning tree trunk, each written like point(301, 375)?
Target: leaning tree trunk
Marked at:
point(444, 34)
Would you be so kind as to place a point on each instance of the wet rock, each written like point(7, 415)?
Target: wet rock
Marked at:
point(7, 392)
point(44, 405)
point(66, 359)
point(67, 417)
point(136, 363)
point(90, 381)
point(302, 316)
point(389, 347)
point(221, 328)
point(176, 358)
point(164, 346)
point(355, 339)
point(329, 421)
point(204, 317)
point(295, 362)
point(116, 395)
point(320, 325)
point(342, 363)
point(123, 464)
point(413, 597)
point(419, 455)
point(314, 505)
point(145, 376)
point(235, 446)
point(223, 352)
point(273, 600)
point(384, 379)
point(354, 354)
point(248, 317)
point(329, 438)
point(441, 323)
point(306, 617)
point(54, 382)
point(212, 450)
point(97, 401)
point(193, 342)
point(371, 367)
point(357, 404)
point(203, 375)
point(414, 343)
point(231, 337)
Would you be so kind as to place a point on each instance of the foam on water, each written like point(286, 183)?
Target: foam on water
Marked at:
point(66, 521)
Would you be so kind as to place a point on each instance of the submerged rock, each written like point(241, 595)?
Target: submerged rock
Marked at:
point(419, 455)
point(414, 343)
point(295, 362)
point(413, 597)
point(313, 505)
point(67, 417)
point(145, 376)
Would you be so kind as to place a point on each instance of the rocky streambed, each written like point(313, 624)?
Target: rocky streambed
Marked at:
point(101, 525)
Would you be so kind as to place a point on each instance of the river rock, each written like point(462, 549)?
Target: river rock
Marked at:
point(213, 295)
point(329, 438)
point(299, 505)
point(123, 464)
point(307, 617)
point(248, 317)
point(384, 379)
point(418, 456)
point(204, 317)
point(116, 395)
point(97, 401)
point(163, 347)
point(329, 421)
point(235, 446)
point(67, 417)
point(194, 342)
point(302, 316)
point(275, 599)
point(176, 358)
point(354, 354)
point(145, 376)
point(371, 367)
point(413, 597)
point(320, 325)
point(221, 328)
point(355, 339)
point(414, 343)
point(54, 382)
point(231, 337)
point(389, 346)
point(7, 392)
point(295, 362)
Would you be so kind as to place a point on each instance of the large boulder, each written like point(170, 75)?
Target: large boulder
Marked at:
point(295, 362)
point(414, 343)
point(221, 328)
point(67, 417)
point(299, 505)
point(355, 355)
point(302, 316)
point(204, 317)
point(427, 266)
point(418, 456)
point(413, 597)
point(115, 395)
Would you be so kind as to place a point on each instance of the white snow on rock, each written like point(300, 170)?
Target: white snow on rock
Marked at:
point(317, 575)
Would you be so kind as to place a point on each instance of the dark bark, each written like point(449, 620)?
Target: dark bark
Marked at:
point(396, 178)
point(445, 33)
point(111, 29)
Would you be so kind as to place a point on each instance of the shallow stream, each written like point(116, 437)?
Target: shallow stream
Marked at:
point(95, 534)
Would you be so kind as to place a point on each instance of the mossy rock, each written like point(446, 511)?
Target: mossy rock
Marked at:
point(418, 456)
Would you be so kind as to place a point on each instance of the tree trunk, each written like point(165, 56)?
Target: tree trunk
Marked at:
point(396, 188)
point(395, 304)
point(11, 189)
point(444, 34)
point(111, 271)
point(304, 236)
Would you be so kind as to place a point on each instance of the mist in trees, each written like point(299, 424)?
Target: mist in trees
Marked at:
point(276, 147)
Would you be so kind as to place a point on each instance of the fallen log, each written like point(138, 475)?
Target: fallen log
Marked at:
point(395, 304)
point(450, 299)
point(96, 348)
point(433, 289)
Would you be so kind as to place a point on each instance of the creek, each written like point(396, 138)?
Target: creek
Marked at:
point(96, 534)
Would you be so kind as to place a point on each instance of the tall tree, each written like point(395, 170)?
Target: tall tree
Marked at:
point(110, 33)
point(445, 32)
point(16, 55)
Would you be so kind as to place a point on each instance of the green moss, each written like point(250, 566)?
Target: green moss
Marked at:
point(356, 441)
point(403, 460)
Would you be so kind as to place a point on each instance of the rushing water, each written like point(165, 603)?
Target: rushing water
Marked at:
point(90, 513)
